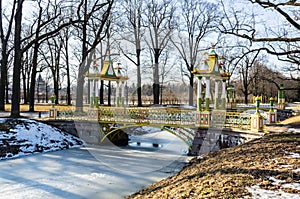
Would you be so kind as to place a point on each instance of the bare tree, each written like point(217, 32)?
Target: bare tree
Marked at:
point(49, 22)
point(15, 109)
point(5, 37)
point(54, 48)
point(159, 19)
point(66, 54)
point(167, 72)
point(199, 19)
point(40, 23)
point(23, 44)
point(245, 69)
point(26, 70)
point(100, 12)
point(133, 29)
point(281, 41)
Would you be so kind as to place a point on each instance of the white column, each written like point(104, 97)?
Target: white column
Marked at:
point(207, 94)
point(117, 94)
point(207, 90)
point(91, 87)
point(96, 88)
point(123, 93)
point(216, 94)
point(223, 96)
point(92, 93)
point(199, 92)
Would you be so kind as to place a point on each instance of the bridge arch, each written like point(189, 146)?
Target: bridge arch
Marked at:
point(185, 134)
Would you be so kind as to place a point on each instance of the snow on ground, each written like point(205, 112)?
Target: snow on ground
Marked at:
point(293, 155)
point(92, 171)
point(259, 193)
point(23, 136)
point(284, 184)
point(30, 136)
point(294, 130)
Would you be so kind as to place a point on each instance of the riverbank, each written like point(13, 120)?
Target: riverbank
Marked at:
point(268, 167)
point(34, 163)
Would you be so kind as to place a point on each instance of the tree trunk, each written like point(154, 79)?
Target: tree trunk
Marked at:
point(191, 90)
point(68, 74)
point(56, 86)
point(139, 78)
point(109, 93)
point(101, 92)
point(3, 77)
point(7, 90)
point(156, 77)
point(34, 65)
point(15, 109)
point(46, 92)
point(24, 88)
point(79, 93)
point(88, 92)
point(82, 67)
point(246, 95)
point(33, 78)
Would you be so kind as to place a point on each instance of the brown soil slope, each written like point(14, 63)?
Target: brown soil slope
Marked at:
point(227, 173)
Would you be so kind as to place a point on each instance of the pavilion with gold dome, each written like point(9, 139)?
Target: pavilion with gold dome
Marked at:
point(107, 73)
point(211, 69)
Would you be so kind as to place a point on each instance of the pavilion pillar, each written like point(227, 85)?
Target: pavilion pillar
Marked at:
point(199, 92)
point(223, 96)
point(216, 94)
point(123, 94)
point(96, 93)
point(92, 93)
point(207, 93)
point(118, 94)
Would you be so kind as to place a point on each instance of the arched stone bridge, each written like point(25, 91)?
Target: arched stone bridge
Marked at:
point(184, 123)
point(192, 126)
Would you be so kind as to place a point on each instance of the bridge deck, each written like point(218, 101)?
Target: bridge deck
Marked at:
point(179, 121)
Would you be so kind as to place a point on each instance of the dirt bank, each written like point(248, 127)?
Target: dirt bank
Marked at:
point(272, 163)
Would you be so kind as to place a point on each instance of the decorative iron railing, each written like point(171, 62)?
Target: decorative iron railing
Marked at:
point(147, 116)
point(238, 120)
point(159, 117)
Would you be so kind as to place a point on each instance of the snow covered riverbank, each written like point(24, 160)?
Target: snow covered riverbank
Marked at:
point(83, 171)
point(20, 137)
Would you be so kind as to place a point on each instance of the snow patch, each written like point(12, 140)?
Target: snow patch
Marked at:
point(292, 186)
point(29, 136)
point(296, 170)
point(293, 155)
point(276, 181)
point(286, 166)
point(258, 193)
point(283, 184)
point(294, 130)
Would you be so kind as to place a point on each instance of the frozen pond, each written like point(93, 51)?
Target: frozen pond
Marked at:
point(93, 171)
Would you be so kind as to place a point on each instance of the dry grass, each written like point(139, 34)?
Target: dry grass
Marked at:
point(227, 173)
point(292, 120)
point(39, 107)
